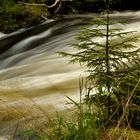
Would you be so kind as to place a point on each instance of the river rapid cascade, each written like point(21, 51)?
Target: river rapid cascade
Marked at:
point(33, 74)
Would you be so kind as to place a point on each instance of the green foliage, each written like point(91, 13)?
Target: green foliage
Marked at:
point(93, 54)
point(85, 124)
point(15, 15)
point(27, 135)
point(112, 60)
point(30, 134)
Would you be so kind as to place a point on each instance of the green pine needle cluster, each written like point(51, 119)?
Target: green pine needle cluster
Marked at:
point(113, 63)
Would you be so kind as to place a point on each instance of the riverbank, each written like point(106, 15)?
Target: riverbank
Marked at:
point(14, 16)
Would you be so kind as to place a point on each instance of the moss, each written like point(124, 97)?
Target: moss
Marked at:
point(14, 16)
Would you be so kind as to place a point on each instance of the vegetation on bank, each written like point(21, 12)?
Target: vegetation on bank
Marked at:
point(15, 14)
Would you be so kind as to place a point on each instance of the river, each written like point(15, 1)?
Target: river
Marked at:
point(34, 75)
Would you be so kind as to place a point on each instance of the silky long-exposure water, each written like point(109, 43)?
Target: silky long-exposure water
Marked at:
point(33, 74)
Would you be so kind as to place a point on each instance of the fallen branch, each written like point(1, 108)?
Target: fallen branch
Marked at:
point(43, 4)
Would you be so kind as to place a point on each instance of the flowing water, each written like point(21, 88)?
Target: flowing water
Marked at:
point(34, 75)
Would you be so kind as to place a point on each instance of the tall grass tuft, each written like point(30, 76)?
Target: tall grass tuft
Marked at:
point(87, 122)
